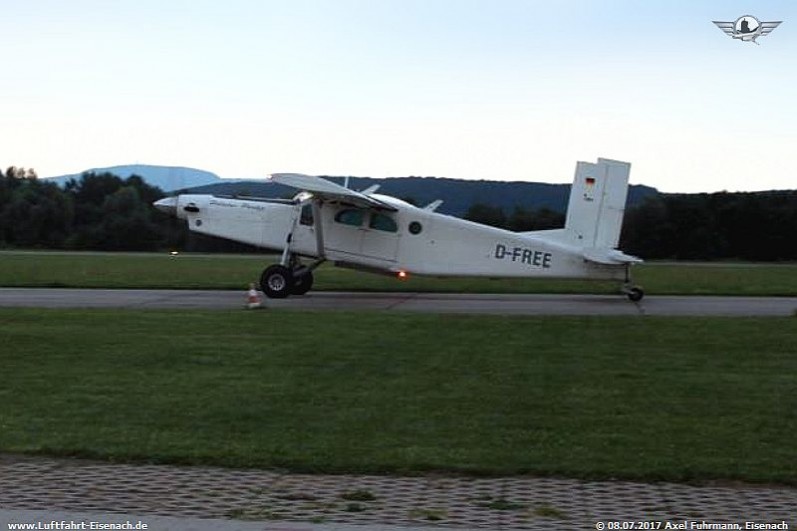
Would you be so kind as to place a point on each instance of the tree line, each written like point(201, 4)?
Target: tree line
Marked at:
point(101, 211)
point(97, 212)
point(758, 226)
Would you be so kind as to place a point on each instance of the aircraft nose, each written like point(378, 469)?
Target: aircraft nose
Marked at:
point(167, 205)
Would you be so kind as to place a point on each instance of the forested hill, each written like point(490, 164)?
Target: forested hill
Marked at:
point(459, 195)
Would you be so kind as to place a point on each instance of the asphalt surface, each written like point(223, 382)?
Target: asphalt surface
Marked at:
point(505, 304)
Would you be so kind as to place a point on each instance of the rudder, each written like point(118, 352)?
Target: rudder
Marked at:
point(597, 203)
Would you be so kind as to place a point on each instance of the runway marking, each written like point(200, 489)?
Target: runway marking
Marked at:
point(400, 302)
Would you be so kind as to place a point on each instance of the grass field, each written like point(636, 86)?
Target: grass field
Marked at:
point(592, 397)
point(120, 270)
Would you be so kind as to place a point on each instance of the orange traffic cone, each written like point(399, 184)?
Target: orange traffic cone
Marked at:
point(253, 298)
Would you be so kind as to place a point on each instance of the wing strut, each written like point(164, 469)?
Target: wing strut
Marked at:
point(288, 258)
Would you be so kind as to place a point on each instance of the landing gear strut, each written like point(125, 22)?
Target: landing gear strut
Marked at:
point(290, 276)
point(633, 292)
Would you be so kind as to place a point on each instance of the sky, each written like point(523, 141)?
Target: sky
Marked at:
point(475, 89)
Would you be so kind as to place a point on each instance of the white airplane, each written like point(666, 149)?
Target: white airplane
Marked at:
point(373, 232)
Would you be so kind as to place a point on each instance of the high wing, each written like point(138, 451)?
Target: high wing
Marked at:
point(727, 27)
point(328, 190)
point(767, 27)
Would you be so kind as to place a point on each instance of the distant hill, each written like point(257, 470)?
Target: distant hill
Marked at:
point(457, 194)
point(167, 178)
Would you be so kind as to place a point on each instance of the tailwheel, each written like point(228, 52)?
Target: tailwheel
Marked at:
point(277, 281)
point(634, 293)
point(302, 283)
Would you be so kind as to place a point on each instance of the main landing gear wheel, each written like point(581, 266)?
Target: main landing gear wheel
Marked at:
point(277, 281)
point(302, 283)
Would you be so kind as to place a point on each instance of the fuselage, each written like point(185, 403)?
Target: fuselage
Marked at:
point(410, 239)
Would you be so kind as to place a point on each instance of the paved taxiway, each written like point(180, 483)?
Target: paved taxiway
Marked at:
point(505, 304)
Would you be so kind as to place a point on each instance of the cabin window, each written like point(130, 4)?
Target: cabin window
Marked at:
point(306, 217)
point(383, 223)
point(350, 216)
point(415, 227)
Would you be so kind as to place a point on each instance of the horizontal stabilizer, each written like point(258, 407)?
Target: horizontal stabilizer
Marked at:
point(328, 190)
point(609, 256)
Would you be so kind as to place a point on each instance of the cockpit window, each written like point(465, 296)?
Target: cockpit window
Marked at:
point(382, 222)
point(350, 216)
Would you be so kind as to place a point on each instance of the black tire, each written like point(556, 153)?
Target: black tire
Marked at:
point(635, 294)
point(276, 281)
point(302, 283)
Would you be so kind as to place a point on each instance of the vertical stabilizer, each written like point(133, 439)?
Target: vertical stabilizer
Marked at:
point(597, 203)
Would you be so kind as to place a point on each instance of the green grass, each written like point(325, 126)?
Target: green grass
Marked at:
point(129, 270)
point(186, 271)
point(591, 397)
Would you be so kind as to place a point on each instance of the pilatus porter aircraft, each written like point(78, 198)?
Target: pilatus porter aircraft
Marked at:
point(378, 233)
